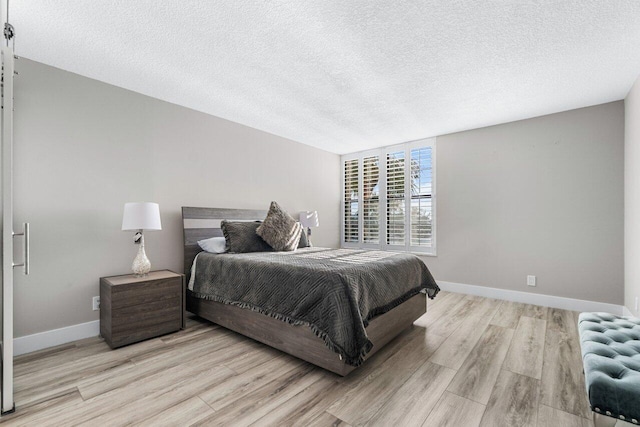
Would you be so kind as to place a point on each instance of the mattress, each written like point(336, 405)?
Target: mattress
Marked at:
point(335, 292)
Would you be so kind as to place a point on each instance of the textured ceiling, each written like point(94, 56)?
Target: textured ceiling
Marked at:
point(347, 75)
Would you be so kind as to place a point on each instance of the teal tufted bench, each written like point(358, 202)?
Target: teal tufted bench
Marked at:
point(611, 358)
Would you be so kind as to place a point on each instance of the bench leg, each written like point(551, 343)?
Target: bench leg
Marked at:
point(600, 420)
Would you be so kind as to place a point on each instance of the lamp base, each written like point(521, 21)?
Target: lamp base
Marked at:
point(141, 264)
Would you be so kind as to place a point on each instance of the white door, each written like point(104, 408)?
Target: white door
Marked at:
point(7, 265)
point(7, 229)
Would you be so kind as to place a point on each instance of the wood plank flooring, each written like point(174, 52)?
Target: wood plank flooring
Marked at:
point(469, 361)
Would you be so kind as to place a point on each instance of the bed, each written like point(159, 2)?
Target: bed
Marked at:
point(289, 333)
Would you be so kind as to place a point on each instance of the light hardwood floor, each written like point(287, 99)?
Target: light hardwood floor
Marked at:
point(469, 361)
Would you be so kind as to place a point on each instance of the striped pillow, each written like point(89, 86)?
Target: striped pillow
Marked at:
point(280, 230)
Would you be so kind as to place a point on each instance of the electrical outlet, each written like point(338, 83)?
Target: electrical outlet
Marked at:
point(96, 303)
point(531, 280)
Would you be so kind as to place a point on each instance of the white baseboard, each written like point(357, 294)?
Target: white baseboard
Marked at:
point(530, 298)
point(47, 339)
point(626, 311)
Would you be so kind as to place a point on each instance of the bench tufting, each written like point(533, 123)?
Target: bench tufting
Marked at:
point(611, 357)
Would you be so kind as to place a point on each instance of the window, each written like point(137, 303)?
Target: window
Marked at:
point(389, 198)
point(421, 197)
point(395, 201)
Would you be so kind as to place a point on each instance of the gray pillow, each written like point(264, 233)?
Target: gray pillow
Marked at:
point(280, 230)
point(241, 237)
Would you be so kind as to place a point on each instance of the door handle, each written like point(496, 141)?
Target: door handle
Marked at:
point(25, 247)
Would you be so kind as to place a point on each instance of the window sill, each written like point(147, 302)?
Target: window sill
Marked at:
point(373, 248)
point(430, 254)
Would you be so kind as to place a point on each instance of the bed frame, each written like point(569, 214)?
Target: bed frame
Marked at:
point(299, 341)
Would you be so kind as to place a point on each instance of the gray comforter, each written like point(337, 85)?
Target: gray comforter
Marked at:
point(333, 291)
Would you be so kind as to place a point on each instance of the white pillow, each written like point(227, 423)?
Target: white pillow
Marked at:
point(214, 245)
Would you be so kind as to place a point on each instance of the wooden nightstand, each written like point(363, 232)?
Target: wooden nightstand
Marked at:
point(134, 308)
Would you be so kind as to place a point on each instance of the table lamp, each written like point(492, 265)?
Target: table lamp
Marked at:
point(140, 216)
point(309, 219)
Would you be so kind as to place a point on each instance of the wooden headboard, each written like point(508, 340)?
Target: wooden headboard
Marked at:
point(203, 223)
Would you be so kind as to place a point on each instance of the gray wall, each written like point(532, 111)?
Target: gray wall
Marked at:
point(542, 196)
point(84, 148)
point(632, 198)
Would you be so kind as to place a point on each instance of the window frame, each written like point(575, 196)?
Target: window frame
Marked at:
point(344, 160)
point(360, 156)
point(381, 153)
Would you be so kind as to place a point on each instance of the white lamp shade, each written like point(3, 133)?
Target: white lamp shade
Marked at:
point(141, 216)
point(309, 219)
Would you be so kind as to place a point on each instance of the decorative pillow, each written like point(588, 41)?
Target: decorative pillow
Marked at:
point(241, 237)
point(214, 245)
point(304, 240)
point(280, 230)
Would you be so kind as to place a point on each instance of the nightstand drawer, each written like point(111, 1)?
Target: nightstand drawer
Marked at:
point(146, 292)
point(144, 313)
point(133, 309)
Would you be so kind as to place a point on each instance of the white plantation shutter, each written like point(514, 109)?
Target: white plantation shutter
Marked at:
point(371, 200)
point(395, 200)
point(351, 210)
point(389, 198)
point(421, 194)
